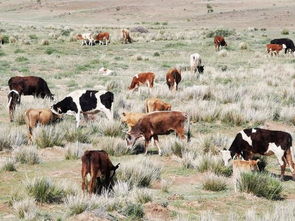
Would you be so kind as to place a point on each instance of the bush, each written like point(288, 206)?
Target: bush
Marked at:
point(8, 165)
point(108, 128)
point(43, 190)
point(73, 152)
point(133, 210)
point(243, 46)
point(5, 39)
point(48, 136)
point(26, 155)
point(214, 183)
point(25, 209)
point(33, 37)
point(261, 185)
point(156, 54)
point(141, 195)
point(113, 146)
point(222, 32)
point(74, 134)
point(285, 32)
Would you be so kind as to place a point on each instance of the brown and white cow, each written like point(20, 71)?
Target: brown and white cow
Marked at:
point(102, 38)
point(131, 118)
point(39, 116)
point(126, 36)
point(196, 63)
point(173, 77)
point(158, 123)
point(98, 165)
point(142, 78)
point(155, 104)
point(86, 38)
point(219, 41)
point(264, 142)
point(274, 49)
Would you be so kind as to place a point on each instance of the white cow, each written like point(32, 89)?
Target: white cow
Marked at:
point(195, 63)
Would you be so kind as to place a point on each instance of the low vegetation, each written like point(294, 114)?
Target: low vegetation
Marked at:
point(214, 183)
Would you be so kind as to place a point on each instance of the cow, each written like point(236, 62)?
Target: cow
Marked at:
point(41, 116)
point(264, 142)
point(131, 118)
point(219, 41)
point(126, 36)
point(195, 63)
point(286, 41)
point(155, 104)
point(274, 48)
point(173, 77)
point(30, 85)
point(142, 78)
point(98, 165)
point(158, 123)
point(242, 166)
point(86, 102)
point(87, 38)
point(102, 38)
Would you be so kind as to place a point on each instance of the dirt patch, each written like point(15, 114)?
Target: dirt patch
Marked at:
point(154, 211)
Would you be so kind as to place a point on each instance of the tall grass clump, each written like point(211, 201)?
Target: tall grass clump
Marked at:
point(26, 155)
point(261, 185)
point(214, 183)
point(140, 172)
point(74, 151)
point(8, 165)
point(25, 209)
point(74, 134)
point(10, 137)
point(133, 211)
point(43, 190)
point(108, 128)
point(113, 145)
point(48, 136)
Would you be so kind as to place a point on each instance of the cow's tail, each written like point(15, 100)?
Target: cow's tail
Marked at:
point(188, 129)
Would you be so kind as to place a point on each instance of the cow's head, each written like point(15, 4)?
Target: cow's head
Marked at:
point(56, 109)
point(131, 138)
point(226, 156)
point(167, 107)
point(200, 68)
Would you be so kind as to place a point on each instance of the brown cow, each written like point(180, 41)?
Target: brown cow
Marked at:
point(173, 77)
point(102, 38)
point(87, 38)
point(131, 118)
point(98, 165)
point(155, 104)
point(142, 78)
point(41, 116)
point(158, 123)
point(126, 36)
point(274, 48)
point(219, 41)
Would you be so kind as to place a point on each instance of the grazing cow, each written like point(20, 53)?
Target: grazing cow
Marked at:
point(286, 41)
point(264, 142)
point(98, 165)
point(86, 102)
point(41, 116)
point(126, 36)
point(158, 123)
point(274, 48)
point(173, 77)
point(155, 104)
point(102, 38)
point(29, 85)
point(87, 38)
point(131, 118)
point(142, 78)
point(195, 63)
point(242, 166)
point(219, 41)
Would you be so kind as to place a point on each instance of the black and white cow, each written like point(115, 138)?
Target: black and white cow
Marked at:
point(286, 41)
point(264, 142)
point(86, 102)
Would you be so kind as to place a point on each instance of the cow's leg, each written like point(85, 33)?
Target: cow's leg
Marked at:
point(289, 158)
point(78, 119)
point(156, 141)
point(282, 160)
point(84, 175)
point(146, 143)
point(180, 132)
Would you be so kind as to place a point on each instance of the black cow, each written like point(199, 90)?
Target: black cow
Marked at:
point(286, 41)
point(29, 85)
point(264, 142)
point(86, 102)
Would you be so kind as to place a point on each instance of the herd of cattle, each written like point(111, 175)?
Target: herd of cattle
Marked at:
point(159, 119)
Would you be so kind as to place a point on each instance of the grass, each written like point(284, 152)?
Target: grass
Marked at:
point(8, 165)
point(26, 155)
point(134, 211)
point(25, 209)
point(48, 136)
point(214, 183)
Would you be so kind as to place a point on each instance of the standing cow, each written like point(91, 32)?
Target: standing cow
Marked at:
point(102, 38)
point(264, 142)
point(86, 38)
point(86, 102)
point(287, 42)
point(274, 48)
point(218, 42)
point(158, 123)
point(173, 77)
point(142, 78)
point(30, 85)
point(126, 36)
point(196, 63)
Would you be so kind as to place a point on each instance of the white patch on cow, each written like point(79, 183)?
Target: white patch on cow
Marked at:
point(253, 131)
point(246, 138)
point(277, 150)
point(284, 46)
point(136, 76)
point(225, 156)
point(13, 91)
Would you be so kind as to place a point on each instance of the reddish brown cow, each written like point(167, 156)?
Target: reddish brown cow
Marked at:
point(158, 123)
point(219, 41)
point(102, 38)
point(155, 104)
point(173, 77)
point(142, 78)
point(274, 48)
point(98, 164)
point(126, 36)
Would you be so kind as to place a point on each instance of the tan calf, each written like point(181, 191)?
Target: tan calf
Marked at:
point(155, 104)
point(131, 118)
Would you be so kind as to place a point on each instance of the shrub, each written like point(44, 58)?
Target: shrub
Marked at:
point(43, 190)
point(5, 39)
point(214, 183)
point(21, 59)
point(73, 152)
point(243, 46)
point(222, 53)
point(156, 54)
point(26, 155)
point(114, 146)
point(261, 185)
point(222, 32)
point(134, 211)
point(47, 136)
point(285, 32)
point(8, 165)
point(44, 42)
point(25, 209)
point(74, 134)
point(141, 195)
point(33, 37)
point(108, 128)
